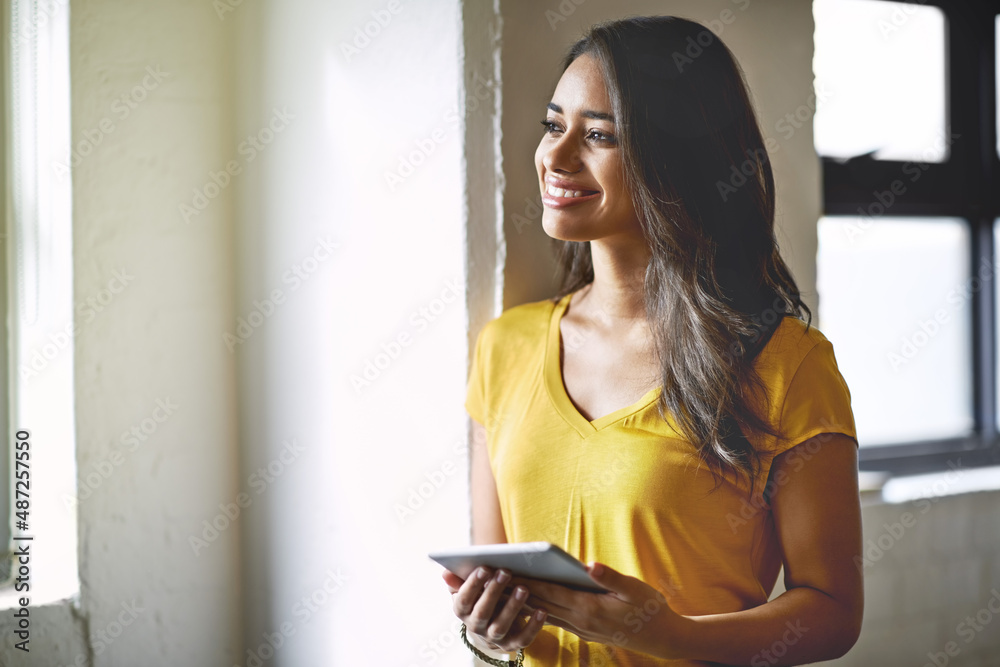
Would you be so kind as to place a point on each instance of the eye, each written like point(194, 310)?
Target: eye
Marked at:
point(601, 137)
point(550, 126)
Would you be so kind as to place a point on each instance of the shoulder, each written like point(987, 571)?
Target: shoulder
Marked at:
point(510, 349)
point(810, 395)
point(793, 344)
point(526, 323)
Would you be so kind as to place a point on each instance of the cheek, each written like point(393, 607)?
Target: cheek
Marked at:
point(616, 187)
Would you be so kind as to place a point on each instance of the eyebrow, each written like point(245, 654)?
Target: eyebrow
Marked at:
point(586, 113)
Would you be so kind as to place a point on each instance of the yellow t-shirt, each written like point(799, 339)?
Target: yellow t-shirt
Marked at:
point(627, 489)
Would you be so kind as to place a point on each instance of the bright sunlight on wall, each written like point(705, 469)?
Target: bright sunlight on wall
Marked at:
point(354, 213)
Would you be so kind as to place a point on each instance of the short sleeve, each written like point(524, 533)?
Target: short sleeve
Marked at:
point(817, 400)
point(475, 393)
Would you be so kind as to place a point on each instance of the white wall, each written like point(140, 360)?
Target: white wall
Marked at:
point(161, 341)
point(364, 363)
point(144, 597)
point(328, 476)
point(929, 565)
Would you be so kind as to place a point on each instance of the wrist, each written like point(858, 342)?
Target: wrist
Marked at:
point(685, 637)
point(670, 637)
point(484, 644)
point(487, 651)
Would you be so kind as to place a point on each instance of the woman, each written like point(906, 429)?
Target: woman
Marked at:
point(668, 417)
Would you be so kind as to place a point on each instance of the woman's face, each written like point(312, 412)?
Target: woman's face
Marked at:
point(579, 162)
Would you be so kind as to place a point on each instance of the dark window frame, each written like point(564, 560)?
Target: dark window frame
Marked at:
point(963, 186)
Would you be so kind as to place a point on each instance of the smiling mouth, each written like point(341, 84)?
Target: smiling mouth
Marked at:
point(567, 194)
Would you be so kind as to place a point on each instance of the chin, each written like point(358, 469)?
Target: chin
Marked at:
point(562, 233)
point(566, 230)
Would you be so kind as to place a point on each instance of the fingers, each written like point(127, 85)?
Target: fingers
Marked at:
point(553, 597)
point(526, 634)
point(504, 619)
point(464, 601)
point(485, 608)
point(495, 616)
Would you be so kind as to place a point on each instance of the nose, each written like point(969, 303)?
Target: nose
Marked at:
point(562, 154)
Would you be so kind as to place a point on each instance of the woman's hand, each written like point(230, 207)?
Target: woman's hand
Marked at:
point(634, 615)
point(497, 619)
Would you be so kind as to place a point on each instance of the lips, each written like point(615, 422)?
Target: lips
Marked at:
point(559, 193)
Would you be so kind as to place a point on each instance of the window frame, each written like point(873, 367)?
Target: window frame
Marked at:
point(6, 450)
point(962, 186)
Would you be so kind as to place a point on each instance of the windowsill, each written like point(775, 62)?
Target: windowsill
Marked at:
point(9, 598)
point(880, 488)
point(946, 483)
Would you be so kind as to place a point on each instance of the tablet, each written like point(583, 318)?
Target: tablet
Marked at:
point(536, 560)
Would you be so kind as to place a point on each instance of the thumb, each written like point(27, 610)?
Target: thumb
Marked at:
point(453, 581)
point(616, 582)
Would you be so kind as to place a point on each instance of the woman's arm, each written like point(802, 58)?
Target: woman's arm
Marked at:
point(487, 523)
point(817, 516)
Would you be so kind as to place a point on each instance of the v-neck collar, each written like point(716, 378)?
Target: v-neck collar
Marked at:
point(557, 388)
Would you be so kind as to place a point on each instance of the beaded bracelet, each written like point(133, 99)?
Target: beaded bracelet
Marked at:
point(518, 662)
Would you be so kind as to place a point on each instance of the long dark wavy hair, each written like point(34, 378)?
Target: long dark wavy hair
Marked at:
point(716, 287)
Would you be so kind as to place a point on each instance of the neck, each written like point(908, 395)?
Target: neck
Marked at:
point(617, 292)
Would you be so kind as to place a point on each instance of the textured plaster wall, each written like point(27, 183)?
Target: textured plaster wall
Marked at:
point(373, 163)
point(153, 356)
point(162, 341)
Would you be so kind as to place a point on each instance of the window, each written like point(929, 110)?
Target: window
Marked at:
point(906, 243)
point(37, 387)
point(884, 71)
point(904, 353)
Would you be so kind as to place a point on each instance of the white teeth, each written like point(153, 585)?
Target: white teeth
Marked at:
point(559, 192)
